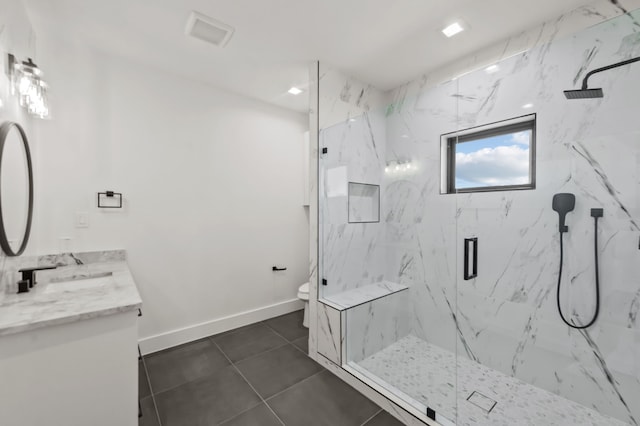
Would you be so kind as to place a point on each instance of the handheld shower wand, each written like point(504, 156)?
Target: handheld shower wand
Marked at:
point(564, 203)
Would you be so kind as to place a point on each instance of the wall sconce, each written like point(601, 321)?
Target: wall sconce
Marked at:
point(27, 84)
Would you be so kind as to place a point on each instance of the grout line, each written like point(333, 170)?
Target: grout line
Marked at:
point(200, 377)
point(252, 356)
point(153, 398)
point(225, 421)
point(233, 331)
point(371, 418)
point(176, 347)
point(251, 386)
point(274, 330)
point(182, 384)
point(295, 384)
point(231, 363)
point(196, 379)
point(300, 349)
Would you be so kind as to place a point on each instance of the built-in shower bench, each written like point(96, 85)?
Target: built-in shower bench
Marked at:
point(360, 305)
point(358, 296)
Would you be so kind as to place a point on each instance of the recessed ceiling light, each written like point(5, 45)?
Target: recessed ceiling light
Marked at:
point(404, 136)
point(352, 120)
point(295, 91)
point(492, 68)
point(453, 29)
point(527, 106)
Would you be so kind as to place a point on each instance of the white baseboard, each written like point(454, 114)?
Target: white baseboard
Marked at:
point(219, 325)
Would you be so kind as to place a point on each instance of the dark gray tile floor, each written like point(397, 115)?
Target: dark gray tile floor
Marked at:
point(255, 375)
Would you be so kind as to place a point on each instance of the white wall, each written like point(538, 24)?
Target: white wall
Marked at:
point(211, 183)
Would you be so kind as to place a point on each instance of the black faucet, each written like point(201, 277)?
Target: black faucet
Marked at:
point(29, 277)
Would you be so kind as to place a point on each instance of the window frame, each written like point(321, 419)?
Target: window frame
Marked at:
point(512, 125)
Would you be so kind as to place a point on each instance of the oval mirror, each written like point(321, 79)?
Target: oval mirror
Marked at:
point(16, 189)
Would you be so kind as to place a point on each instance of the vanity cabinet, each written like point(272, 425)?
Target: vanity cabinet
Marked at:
point(76, 374)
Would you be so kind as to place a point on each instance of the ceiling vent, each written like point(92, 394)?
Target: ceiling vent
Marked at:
point(208, 29)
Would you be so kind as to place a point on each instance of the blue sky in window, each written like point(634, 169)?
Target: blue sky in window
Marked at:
point(495, 161)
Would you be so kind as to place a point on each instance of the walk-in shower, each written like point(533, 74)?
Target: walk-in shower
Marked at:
point(542, 196)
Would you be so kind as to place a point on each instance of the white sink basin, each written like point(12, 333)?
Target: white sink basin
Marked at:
point(80, 282)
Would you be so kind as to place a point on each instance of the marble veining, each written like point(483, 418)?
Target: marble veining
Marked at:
point(10, 274)
point(352, 129)
point(436, 378)
point(374, 325)
point(331, 333)
point(360, 295)
point(82, 287)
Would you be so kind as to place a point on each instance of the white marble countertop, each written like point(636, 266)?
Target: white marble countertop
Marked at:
point(69, 294)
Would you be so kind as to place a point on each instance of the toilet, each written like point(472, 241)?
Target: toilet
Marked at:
point(303, 294)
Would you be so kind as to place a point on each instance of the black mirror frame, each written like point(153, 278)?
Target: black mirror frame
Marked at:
point(4, 242)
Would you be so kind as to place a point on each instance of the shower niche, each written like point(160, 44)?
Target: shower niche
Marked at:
point(364, 203)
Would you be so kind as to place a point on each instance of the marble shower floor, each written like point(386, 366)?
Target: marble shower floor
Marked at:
point(427, 374)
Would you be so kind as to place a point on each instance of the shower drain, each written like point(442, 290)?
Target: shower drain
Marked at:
point(481, 401)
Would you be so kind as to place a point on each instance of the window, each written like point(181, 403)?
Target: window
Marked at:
point(495, 157)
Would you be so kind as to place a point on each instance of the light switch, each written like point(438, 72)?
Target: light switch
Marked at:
point(82, 220)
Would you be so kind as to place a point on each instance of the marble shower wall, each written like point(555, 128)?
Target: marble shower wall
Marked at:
point(507, 318)
point(375, 325)
point(420, 222)
point(352, 129)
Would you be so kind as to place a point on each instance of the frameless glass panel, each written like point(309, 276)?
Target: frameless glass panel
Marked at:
point(517, 358)
point(352, 149)
point(405, 338)
point(391, 270)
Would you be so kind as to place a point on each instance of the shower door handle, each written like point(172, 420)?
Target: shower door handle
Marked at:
point(474, 268)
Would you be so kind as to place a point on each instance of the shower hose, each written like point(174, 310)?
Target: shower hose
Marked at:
point(595, 315)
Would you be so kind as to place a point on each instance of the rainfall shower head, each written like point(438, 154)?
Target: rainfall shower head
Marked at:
point(563, 203)
point(585, 92)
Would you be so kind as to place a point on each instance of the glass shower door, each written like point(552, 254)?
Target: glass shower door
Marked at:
point(414, 327)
